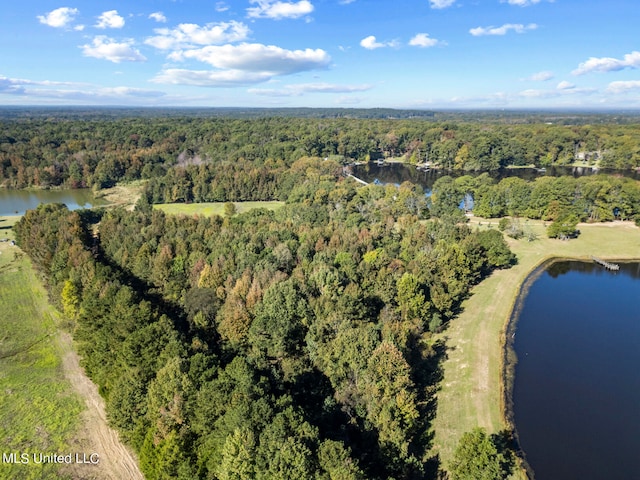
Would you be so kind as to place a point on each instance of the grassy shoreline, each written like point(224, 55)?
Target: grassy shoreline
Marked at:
point(473, 388)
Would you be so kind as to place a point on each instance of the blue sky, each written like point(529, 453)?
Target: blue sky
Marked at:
point(322, 53)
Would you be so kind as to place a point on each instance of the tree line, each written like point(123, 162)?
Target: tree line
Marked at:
point(288, 344)
point(596, 198)
point(98, 151)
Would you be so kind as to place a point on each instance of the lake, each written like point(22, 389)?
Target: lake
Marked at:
point(16, 202)
point(397, 173)
point(576, 393)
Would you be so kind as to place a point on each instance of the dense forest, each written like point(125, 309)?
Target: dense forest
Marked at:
point(288, 344)
point(597, 198)
point(294, 343)
point(98, 149)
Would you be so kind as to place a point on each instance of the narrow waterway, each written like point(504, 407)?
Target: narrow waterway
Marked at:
point(576, 395)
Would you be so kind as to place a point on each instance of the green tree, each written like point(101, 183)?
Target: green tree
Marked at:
point(336, 461)
point(564, 227)
point(238, 457)
point(390, 399)
point(229, 209)
point(477, 457)
point(70, 300)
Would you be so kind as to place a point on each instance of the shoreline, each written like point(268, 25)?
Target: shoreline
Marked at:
point(474, 387)
point(510, 359)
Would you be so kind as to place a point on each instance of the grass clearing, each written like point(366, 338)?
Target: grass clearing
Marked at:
point(7, 251)
point(471, 392)
point(122, 195)
point(38, 409)
point(213, 208)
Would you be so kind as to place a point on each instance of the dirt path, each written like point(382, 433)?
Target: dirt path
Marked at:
point(95, 436)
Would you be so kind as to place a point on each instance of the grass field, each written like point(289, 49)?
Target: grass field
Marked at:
point(472, 389)
point(214, 208)
point(38, 414)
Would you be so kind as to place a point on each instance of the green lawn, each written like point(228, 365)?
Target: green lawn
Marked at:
point(38, 412)
point(472, 388)
point(214, 208)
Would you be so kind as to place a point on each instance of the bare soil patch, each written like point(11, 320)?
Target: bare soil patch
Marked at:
point(116, 461)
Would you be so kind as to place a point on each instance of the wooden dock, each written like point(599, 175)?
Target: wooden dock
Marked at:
point(607, 265)
point(359, 180)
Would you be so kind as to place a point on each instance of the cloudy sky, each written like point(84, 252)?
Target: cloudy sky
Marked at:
point(322, 53)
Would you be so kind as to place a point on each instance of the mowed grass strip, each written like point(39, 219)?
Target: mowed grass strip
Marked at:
point(471, 391)
point(7, 251)
point(38, 409)
point(214, 208)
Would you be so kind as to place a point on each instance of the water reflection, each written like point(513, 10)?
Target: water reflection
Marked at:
point(577, 386)
point(16, 202)
point(397, 173)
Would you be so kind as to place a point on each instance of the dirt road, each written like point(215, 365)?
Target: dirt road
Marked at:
point(115, 461)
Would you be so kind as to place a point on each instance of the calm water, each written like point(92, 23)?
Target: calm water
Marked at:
point(16, 202)
point(398, 173)
point(577, 381)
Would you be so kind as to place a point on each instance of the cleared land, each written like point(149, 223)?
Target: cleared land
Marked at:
point(122, 195)
point(38, 409)
point(214, 208)
point(47, 404)
point(471, 393)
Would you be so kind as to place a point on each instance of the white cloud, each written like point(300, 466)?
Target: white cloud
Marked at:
point(608, 64)
point(522, 3)
point(278, 10)
point(129, 92)
point(244, 64)
point(59, 18)
point(623, 86)
point(503, 30)
point(221, 7)
point(10, 86)
point(255, 57)
point(424, 40)
point(302, 88)
point(187, 35)
point(21, 81)
point(543, 76)
point(441, 3)
point(108, 49)
point(370, 43)
point(563, 89)
point(564, 85)
point(48, 90)
point(158, 17)
point(210, 78)
point(110, 19)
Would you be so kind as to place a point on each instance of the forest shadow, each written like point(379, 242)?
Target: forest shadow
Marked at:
point(428, 374)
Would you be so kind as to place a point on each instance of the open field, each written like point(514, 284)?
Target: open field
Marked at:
point(47, 404)
point(472, 388)
point(38, 408)
point(214, 208)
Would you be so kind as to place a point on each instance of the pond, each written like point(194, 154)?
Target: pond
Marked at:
point(576, 393)
point(16, 202)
